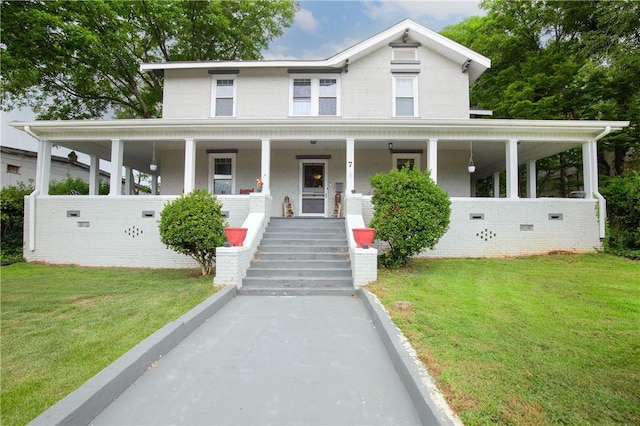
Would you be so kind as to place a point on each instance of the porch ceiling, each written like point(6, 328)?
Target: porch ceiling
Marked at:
point(537, 138)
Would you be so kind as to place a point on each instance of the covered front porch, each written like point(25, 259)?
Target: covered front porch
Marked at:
point(308, 162)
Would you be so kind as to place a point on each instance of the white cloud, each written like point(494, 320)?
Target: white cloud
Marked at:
point(306, 21)
point(391, 11)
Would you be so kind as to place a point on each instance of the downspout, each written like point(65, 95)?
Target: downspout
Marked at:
point(602, 203)
point(32, 200)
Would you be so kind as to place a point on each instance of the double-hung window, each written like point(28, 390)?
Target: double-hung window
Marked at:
point(405, 95)
point(224, 94)
point(314, 96)
point(222, 171)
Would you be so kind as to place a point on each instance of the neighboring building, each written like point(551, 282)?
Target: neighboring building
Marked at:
point(309, 130)
point(19, 165)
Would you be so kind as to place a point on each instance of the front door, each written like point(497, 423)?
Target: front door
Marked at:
point(313, 188)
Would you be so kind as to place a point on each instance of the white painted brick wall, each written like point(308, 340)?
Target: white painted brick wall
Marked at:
point(110, 231)
point(366, 90)
point(500, 234)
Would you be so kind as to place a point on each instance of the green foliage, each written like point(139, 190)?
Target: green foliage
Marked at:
point(12, 220)
point(79, 59)
point(193, 224)
point(561, 60)
point(623, 214)
point(411, 213)
point(75, 186)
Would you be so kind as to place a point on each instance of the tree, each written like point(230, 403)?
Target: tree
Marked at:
point(623, 214)
point(75, 186)
point(193, 224)
point(411, 213)
point(561, 60)
point(79, 59)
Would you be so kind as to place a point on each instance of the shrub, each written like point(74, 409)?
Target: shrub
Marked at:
point(411, 213)
point(623, 214)
point(193, 224)
point(12, 220)
point(78, 185)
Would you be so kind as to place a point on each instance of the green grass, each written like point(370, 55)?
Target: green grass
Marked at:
point(539, 340)
point(63, 324)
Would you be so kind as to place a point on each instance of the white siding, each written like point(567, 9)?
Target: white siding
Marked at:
point(186, 94)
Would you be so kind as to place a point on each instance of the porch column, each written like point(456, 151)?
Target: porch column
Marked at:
point(94, 175)
point(350, 166)
point(189, 165)
point(511, 154)
point(154, 184)
point(532, 179)
point(432, 158)
point(590, 168)
point(496, 185)
point(43, 167)
point(117, 155)
point(265, 166)
point(128, 180)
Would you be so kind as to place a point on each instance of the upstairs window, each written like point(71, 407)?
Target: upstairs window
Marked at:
point(224, 98)
point(405, 95)
point(314, 97)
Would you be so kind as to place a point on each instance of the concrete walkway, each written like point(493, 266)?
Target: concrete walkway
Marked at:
point(272, 360)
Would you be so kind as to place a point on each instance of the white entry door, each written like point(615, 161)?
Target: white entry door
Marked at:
point(313, 188)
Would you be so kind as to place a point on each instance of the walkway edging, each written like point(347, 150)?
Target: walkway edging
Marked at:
point(428, 400)
point(85, 403)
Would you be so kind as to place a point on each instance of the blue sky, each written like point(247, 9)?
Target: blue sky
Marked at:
point(322, 28)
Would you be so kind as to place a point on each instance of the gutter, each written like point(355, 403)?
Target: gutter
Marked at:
point(32, 199)
point(602, 203)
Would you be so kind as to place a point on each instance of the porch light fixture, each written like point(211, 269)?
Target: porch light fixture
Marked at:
point(154, 165)
point(472, 166)
point(313, 142)
point(390, 146)
point(73, 157)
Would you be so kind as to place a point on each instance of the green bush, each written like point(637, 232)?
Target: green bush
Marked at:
point(193, 224)
point(12, 220)
point(411, 213)
point(77, 185)
point(623, 214)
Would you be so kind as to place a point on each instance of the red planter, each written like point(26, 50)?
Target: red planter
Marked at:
point(236, 235)
point(364, 236)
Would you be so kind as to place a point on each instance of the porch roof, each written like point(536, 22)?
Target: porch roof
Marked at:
point(538, 138)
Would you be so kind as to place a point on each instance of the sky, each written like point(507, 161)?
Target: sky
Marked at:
point(321, 29)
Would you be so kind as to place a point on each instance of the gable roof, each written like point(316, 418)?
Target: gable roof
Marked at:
point(476, 63)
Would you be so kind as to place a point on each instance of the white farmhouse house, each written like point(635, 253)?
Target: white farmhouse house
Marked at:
point(310, 129)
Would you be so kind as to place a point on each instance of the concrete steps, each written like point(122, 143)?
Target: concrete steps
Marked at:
point(299, 256)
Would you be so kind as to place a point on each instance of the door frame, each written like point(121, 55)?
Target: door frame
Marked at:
point(325, 180)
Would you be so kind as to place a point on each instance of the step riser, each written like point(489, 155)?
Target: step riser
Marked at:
point(282, 264)
point(299, 257)
point(297, 292)
point(303, 236)
point(310, 274)
point(279, 282)
point(301, 249)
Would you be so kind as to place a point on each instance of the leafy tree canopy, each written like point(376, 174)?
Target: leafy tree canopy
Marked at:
point(78, 59)
point(561, 60)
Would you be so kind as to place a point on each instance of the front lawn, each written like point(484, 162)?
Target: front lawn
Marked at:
point(63, 324)
point(538, 340)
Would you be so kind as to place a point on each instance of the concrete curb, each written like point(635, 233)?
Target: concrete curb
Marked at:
point(85, 403)
point(429, 402)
